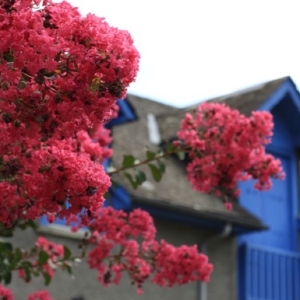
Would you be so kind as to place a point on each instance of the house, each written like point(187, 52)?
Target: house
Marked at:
point(267, 262)
point(254, 248)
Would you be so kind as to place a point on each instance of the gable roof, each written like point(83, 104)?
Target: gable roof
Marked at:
point(246, 101)
point(174, 193)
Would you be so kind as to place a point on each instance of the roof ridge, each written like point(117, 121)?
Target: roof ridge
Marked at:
point(238, 92)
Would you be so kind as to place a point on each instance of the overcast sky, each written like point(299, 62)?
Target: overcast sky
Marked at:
point(192, 50)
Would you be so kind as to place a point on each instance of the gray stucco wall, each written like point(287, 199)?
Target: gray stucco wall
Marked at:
point(221, 254)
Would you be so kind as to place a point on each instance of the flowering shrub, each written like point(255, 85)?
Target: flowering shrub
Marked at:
point(168, 265)
point(7, 294)
point(60, 76)
point(229, 147)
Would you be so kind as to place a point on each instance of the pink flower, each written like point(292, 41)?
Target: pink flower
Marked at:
point(225, 147)
point(6, 293)
point(61, 74)
point(116, 252)
point(228, 205)
point(40, 295)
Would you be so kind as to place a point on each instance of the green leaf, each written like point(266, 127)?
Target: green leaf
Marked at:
point(32, 224)
point(6, 247)
point(21, 85)
point(47, 278)
point(131, 180)
point(35, 273)
point(6, 232)
point(150, 155)
point(95, 85)
point(114, 183)
point(107, 195)
point(18, 255)
point(181, 155)
point(28, 223)
point(68, 268)
point(8, 57)
point(49, 73)
point(156, 173)
point(170, 147)
point(161, 166)
point(67, 253)
point(7, 275)
point(43, 257)
point(140, 177)
point(128, 161)
point(26, 266)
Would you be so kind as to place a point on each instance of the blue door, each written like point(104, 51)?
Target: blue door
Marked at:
point(274, 208)
point(269, 266)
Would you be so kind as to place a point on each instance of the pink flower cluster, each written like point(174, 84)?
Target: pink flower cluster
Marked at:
point(40, 295)
point(7, 294)
point(60, 75)
point(55, 254)
point(225, 147)
point(117, 250)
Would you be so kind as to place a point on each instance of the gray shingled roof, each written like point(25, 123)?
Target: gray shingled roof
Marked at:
point(174, 191)
point(246, 101)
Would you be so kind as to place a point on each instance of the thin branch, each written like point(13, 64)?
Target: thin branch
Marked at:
point(148, 160)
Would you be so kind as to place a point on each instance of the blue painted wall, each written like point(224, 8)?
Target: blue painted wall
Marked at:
point(277, 208)
point(265, 257)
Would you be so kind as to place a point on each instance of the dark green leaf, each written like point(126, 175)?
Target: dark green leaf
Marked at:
point(95, 85)
point(132, 182)
point(21, 85)
point(47, 278)
point(114, 183)
point(68, 268)
point(34, 251)
point(6, 275)
point(128, 161)
point(161, 166)
point(6, 232)
point(43, 257)
point(18, 255)
point(48, 73)
point(28, 223)
point(106, 195)
point(170, 147)
point(156, 173)
point(8, 57)
point(67, 253)
point(150, 155)
point(140, 177)
point(26, 266)
point(6, 247)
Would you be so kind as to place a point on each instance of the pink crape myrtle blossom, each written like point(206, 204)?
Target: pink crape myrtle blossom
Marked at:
point(54, 252)
point(7, 294)
point(60, 76)
point(225, 147)
point(40, 295)
point(117, 251)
